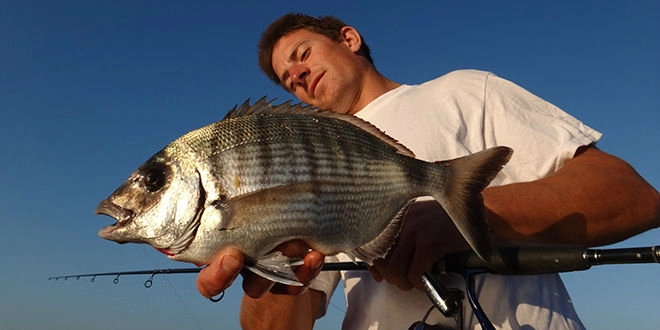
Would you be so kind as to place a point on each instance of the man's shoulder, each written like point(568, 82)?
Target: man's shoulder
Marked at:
point(462, 75)
point(459, 81)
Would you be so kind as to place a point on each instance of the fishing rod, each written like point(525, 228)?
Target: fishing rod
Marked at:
point(515, 260)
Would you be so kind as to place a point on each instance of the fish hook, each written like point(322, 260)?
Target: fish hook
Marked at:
point(215, 300)
point(116, 280)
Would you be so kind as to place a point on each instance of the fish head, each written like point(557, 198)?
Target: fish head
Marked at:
point(159, 204)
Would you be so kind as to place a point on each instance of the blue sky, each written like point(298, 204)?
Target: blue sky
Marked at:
point(90, 89)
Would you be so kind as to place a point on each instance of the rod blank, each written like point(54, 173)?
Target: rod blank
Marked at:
point(517, 260)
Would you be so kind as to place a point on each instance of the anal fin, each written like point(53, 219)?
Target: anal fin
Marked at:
point(381, 245)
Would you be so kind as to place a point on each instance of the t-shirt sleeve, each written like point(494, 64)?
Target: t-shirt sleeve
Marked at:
point(542, 136)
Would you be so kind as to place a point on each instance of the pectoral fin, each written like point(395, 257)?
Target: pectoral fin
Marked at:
point(261, 204)
point(277, 267)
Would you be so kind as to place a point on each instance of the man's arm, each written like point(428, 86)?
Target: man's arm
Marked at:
point(594, 199)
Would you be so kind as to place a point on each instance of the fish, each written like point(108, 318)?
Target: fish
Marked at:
point(266, 174)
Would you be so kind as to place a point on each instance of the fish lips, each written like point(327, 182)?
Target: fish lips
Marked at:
point(122, 215)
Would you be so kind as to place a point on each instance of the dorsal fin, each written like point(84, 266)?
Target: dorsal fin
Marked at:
point(369, 128)
point(263, 106)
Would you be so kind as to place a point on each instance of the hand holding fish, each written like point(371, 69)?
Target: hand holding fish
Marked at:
point(426, 237)
point(223, 270)
point(305, 273)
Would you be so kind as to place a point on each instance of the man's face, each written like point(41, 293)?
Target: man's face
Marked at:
point(318, 70)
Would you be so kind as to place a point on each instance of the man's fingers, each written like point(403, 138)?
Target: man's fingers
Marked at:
point(313, 263)
point(311, 268)
point(256, 286)
point(375, 270)
point(394, 268)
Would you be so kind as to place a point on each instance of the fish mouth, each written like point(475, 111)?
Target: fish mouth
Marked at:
point(166, 252)
point(122, 215)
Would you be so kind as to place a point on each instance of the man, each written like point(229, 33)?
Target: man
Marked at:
point(557, 188)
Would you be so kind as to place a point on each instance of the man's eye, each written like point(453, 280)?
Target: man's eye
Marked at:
point(305, 54)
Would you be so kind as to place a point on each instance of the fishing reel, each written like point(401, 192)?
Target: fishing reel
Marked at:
point(448, 301)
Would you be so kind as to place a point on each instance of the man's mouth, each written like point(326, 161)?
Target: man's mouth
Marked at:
point(315, 82)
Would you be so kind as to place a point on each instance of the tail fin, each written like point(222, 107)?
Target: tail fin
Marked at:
point(466, 178)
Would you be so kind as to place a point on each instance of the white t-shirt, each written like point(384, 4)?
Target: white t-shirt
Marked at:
point(454, 115)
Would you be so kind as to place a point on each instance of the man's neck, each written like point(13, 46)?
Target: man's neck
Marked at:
point(375, 85)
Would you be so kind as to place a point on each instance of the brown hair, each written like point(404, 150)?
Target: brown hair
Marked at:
point(327, 26)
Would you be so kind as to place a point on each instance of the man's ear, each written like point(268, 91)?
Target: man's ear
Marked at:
point(351, 38)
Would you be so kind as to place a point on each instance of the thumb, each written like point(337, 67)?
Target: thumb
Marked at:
point(220, 273)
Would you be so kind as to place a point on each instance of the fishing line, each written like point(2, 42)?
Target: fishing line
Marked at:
point(176, 293)
point(185, 306)
point(342, 310)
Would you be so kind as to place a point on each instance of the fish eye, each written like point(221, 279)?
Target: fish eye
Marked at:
point(154, 179)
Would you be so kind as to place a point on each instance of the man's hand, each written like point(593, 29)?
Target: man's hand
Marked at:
point(427, 236)
point(223, 270)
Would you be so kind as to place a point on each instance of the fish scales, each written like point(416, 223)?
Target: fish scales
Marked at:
point(351, 187)
point(307, 156)
point(268, 174)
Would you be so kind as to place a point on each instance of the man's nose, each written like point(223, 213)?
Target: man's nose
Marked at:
point(298, 73)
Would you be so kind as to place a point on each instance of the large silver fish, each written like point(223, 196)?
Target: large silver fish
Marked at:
point(268, 174)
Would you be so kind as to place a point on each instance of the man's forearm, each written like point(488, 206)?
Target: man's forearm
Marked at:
point(595, 199)
point(281, 311)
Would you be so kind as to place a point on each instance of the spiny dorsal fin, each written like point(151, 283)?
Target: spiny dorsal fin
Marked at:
point(263, 106)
